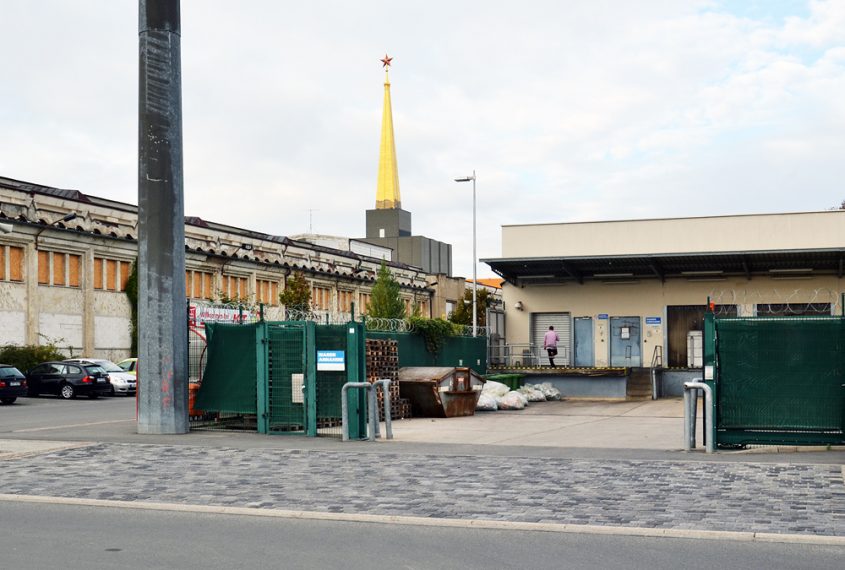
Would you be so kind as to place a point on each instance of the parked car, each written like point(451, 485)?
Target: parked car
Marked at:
point(121, 381)
point(12, 384)
point(130, 366)
point(67, 380)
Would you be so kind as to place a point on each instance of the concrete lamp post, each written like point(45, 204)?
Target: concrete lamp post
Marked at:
point(474, 277)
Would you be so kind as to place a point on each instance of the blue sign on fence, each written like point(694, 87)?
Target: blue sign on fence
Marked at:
point(331, 360)
point(652, 320)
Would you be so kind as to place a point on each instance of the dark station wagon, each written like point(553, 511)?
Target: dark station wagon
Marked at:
point(12, 384)
point(68, 380)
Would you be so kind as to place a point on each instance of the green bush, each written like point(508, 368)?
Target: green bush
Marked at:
point(434, 332)
point(26, 357)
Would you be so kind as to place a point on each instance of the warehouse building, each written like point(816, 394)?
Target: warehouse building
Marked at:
point(628, 293)
point(65, 257)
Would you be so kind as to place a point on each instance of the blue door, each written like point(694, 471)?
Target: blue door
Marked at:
point(584, 342)
point(625, 347)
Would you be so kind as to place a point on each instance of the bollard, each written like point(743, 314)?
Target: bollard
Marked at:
point(344, 409)
point(690, 413)
point(388, 423)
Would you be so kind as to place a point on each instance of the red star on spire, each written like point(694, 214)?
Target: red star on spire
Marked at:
point(386, 61)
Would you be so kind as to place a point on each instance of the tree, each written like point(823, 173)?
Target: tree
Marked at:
point(131, 290)
point(297, 294)
point(462, 314)
point(385, 301)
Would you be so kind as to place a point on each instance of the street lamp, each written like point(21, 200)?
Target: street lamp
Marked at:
point(474, 277)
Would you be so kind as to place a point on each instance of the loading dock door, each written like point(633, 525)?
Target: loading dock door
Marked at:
point(540, 323)
point(625, 348)
point(584, 342)
point(681, 319)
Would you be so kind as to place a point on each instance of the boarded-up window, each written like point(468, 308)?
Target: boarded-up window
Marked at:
point(63, 267)
point(364, 302)
point(267, 292)
point(74, 261)
point(321, 298)
point(125, 267)
point(344, 301)
point(15, 264)
point(98, 273)
point(43, 267)
point(235, 287)
point(197, 285)
point(207, 286)
point(111, 274)
point(59, 273)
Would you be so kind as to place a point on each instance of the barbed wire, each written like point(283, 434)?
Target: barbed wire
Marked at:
point(774, 302)
point(380, 324)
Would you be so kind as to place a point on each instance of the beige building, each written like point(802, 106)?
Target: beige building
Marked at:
point(619, 293)
point(65, 262)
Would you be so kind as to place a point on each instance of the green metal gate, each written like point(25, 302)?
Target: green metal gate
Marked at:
point(264, 377)
point(777, 380)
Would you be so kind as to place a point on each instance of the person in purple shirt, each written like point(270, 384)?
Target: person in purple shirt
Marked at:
point(550, 340)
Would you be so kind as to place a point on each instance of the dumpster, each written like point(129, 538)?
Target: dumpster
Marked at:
point(440, 391)
point(512, 381)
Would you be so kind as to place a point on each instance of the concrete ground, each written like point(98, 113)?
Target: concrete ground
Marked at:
point(607, 424)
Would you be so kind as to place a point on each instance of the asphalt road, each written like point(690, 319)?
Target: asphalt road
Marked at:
point(61, 536)
point(52, 414)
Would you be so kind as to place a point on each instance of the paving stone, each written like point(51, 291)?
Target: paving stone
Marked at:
point(750, 497)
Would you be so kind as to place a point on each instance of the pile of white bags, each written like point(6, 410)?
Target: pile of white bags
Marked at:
point(497, 396)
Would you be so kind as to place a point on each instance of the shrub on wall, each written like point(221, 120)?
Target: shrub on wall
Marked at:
point(26, 357)
point(434, 332)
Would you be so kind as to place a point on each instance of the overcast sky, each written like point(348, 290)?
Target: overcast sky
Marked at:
point(568, 111)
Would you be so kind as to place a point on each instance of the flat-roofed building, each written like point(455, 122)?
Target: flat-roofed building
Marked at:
point(619, 292)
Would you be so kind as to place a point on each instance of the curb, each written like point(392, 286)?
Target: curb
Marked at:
point(438, 522)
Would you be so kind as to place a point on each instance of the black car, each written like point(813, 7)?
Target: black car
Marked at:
point(67, 380)
point(12, 384)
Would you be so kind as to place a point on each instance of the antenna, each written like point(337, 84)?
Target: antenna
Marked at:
point(311, 219)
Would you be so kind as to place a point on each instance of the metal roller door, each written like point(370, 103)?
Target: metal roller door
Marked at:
point(562, 322)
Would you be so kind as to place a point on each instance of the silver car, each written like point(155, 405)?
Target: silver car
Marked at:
point(121, 381)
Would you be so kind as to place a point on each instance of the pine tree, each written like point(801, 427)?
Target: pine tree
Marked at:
point(297, 294)
point(385, 301)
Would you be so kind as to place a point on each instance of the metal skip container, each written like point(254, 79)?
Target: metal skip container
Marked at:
point(440, 391)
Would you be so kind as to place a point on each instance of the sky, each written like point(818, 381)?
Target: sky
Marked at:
point(567, 111)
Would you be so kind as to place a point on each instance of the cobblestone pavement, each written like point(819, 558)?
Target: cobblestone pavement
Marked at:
point(755, 497)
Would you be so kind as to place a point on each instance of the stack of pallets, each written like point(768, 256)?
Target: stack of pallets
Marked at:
point(382, 357)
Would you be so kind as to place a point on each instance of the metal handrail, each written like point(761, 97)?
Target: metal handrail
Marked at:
point(656, 362)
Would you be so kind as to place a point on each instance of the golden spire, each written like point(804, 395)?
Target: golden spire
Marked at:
point(387, 192)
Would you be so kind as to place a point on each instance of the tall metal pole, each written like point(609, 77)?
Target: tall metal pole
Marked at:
point(474, 264)
point(162, 325)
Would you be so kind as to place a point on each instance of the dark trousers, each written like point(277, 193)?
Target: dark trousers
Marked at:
point(552, 353)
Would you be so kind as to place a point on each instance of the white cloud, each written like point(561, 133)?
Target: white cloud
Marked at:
point(577, 110)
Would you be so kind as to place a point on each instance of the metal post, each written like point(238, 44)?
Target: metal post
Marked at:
point(162, 350)
point(474, 264)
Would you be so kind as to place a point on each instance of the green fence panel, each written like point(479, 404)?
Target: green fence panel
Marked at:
point(330, 382)
point(456, 351)
point(229, 381)
point(781, 375)
point(286, 376)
